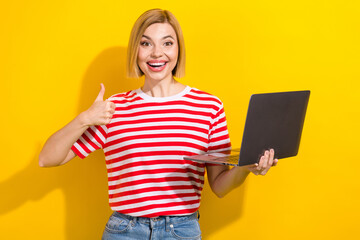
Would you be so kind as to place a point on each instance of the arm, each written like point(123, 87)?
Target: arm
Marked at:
point(57, 149)
point(222, 179)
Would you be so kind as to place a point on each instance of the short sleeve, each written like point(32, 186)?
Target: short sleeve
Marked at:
point(92, 139)
point(219, 139)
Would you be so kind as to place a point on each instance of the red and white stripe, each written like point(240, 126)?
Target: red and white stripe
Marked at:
point(144, 146)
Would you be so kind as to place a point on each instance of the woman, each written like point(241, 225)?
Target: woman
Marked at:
point(145, 134)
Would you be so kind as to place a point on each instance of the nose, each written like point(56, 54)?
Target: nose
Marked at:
point(157, 52)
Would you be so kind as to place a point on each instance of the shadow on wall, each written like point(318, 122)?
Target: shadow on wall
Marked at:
point(84, 182)
point(217, 213)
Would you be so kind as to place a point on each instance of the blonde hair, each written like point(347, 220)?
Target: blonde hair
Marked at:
point(142, 23)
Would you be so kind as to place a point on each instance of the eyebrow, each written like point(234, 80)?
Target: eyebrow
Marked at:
point(167, 36)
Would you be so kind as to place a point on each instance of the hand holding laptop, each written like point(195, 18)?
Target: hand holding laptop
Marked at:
point(266, 162)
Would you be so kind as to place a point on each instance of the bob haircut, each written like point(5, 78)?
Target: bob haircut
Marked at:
point(142, 23)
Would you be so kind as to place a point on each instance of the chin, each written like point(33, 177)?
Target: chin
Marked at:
point(158, 76)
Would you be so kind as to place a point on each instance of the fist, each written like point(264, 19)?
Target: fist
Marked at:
point(100, 112)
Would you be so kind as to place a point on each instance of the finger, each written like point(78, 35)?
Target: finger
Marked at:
point(254, 165)
point(271, 157)
point(112, 111)
point(261, 163)
point(110, 107)
point(265, 160)
point(264, 172)
point(251, 167)
point(100, 96)
point(108, 115)
point(107, 121)
point(275, 162)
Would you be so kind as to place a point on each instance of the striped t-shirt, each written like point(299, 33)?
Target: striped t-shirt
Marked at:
point(144, 146)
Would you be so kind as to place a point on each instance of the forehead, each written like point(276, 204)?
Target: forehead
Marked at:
point(160, 30)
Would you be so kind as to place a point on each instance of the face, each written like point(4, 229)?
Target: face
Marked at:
point(158, 52)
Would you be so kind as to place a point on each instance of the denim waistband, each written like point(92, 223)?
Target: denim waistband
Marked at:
point(167, 219)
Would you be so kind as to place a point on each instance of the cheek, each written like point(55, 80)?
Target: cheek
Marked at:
point(173, 54)
point(141, 60)
point(142, 53)
point(140, 56)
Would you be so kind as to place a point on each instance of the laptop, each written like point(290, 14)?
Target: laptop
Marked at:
point(274, 120)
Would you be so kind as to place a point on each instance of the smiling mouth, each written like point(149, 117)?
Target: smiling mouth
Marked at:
point(156, 65)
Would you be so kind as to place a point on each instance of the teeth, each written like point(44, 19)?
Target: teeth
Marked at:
point(156, 64)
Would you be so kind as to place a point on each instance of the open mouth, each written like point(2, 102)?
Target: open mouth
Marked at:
point(156, 66)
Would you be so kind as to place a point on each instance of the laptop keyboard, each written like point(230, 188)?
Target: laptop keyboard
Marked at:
point(233, 159)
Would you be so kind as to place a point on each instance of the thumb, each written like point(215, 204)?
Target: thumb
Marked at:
point(100, 96)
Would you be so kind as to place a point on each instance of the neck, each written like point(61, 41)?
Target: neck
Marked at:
point(163, 88)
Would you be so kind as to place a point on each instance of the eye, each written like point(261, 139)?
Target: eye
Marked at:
point(168, 43)
point(144, 43)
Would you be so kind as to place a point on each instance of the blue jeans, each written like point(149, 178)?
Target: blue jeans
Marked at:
point(126, 227)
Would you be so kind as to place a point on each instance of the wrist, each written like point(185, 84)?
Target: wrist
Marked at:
point(83, 119)
point(240, 173)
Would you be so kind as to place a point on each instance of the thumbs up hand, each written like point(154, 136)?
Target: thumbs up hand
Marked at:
point(100, 112)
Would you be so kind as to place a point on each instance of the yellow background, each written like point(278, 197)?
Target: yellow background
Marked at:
point(55, 54)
